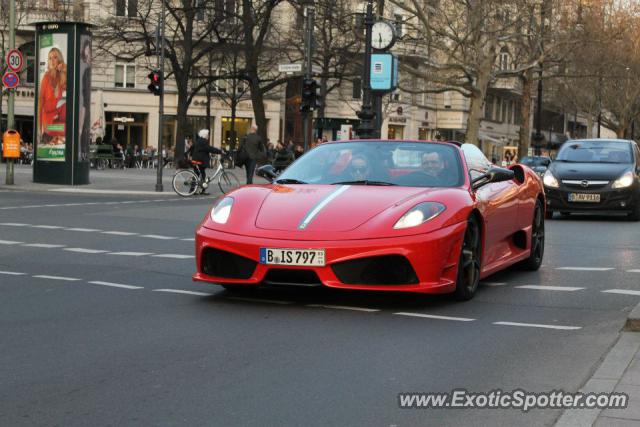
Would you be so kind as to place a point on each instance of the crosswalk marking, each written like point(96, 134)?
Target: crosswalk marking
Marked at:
point(67, 279)
point(85, 250)
point(539, 325)
point(585, 268)
point(115, 285)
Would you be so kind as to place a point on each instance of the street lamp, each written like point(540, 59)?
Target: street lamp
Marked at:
point(366, 130)
point(538, 138)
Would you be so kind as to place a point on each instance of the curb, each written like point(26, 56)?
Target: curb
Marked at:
point(633, 320)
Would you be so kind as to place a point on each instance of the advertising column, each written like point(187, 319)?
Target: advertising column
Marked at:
point(63, 101)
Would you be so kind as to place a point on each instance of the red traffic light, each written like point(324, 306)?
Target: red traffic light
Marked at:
point(155, 86)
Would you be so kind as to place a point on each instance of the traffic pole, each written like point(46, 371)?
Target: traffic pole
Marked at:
point(11, 100)
point(161, 107)
point(309, 12)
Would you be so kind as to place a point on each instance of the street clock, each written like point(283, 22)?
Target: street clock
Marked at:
point(383, 35)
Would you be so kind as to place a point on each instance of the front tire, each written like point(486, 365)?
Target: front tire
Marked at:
point(469, 264)
point(537, 241)
point(185, 183)
point(635, 215)
point(227, 182)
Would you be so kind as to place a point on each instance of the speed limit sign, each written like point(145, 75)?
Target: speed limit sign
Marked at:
point(15, 60)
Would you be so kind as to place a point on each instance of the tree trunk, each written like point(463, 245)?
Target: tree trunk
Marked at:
point(257, 101)
point(234, 106)
point(524, 141)
point(590, 126)
point(478, 94)
point(181, 122)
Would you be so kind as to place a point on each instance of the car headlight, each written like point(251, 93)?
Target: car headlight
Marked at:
point(624, 181)
point(220, 212)
point(549, 180)
point(419, 214)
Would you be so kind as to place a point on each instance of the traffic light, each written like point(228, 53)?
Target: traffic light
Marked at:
point(310, 97)
point(155, 82)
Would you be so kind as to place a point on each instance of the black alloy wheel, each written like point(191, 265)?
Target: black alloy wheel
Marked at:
point(537, 240)
point(469, 263)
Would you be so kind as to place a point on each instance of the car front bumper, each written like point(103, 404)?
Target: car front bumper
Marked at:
point(623, 200)
point(433, 257)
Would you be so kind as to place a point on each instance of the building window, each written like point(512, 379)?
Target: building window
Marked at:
point(488, 108)
point(125, 75)
point(127, 8)
point(199, 6)
point(517, 113)
point(446, 98)
point(505, 112)
point(504, 59)
point(357, 89)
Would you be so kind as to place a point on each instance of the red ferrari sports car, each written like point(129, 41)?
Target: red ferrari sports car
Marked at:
point(413, 216)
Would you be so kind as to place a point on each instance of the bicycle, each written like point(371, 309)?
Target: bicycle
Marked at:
point(186, 182)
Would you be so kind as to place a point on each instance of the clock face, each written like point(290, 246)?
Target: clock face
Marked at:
point(383, 35)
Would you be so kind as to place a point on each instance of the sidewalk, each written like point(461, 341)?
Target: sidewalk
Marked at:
point(619, 372)
point(108, 181)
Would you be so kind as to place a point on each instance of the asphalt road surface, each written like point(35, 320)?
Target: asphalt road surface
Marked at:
point(100, 324)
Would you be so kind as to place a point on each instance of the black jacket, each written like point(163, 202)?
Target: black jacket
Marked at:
point(201, 150)
point(254, 146)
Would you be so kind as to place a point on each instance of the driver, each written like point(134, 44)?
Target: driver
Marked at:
point(433, 165)
point(359, 168)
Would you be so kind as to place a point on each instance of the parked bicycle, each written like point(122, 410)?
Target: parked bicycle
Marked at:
point(186, 182)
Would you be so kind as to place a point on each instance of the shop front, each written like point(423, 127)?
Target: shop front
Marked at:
point(231, 138)
point(128, 129)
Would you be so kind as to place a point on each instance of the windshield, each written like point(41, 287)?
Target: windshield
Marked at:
point(535, 161)
point(596, 151)
point(411, 164)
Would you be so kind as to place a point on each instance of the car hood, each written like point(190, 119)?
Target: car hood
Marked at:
point(328, 208)
point(591, 171)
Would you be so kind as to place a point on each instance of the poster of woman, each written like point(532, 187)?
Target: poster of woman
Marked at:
point(52, 97)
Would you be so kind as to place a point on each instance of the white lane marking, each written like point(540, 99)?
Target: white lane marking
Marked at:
point(633, 271)
point(585, 268)
point(344, 307)
point(268, 301)
point(68, 279)
point(43, 245)
point(84, 230)
point(174, 256)
point(551, 288)
point(179, 291)
point(12, 273)
point(537, 325)
point(115, 285)
point(48, 227)
point(621, 291)
point(494, 284)
point(156, 236)
point(119, 233)
point(14, 224)
point(130, 253)
point(433, 316)
point(85, 250)
point(189, 239)
point(10, 242)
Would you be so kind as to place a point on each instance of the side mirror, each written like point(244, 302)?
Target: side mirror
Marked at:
point(267, 172)
point(494, 174)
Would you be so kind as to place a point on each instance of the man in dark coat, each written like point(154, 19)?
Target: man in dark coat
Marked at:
point(255, 149)
point(201, 152)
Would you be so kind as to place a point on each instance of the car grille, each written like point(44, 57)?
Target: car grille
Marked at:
point(585, 184)
point(216, 262)
point(281, 276)
point(379, 270)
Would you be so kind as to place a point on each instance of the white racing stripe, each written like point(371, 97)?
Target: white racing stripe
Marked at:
point(344, 307)
point(538, 325)
point(115, 285)
point(174, 256)
point(85, 251)
point(130, 253)
point(585, 268)
point(433, 316)
point(551, 288)
point(621, 292)
point(266, 301)
point(179, 291)
point(316, 210)
point(13, 273)
point(67, 279)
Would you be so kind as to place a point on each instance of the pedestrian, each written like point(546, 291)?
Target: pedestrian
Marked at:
point(254, 146)
point(283, 158)
point(200, 153)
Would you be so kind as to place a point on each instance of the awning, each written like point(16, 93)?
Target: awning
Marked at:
point(485, 137)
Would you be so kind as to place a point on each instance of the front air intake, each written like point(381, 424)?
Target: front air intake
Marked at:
point(216, 262)
point(379, 270)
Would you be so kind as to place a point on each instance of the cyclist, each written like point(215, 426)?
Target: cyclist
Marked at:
point(200, 153)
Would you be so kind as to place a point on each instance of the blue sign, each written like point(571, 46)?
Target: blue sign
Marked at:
point(384, 72)
point(10, 80)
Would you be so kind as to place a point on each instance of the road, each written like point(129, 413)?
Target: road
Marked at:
point(100, 324)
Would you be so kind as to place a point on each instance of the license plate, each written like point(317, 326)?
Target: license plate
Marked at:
point(302, 257)
point(584, 197)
